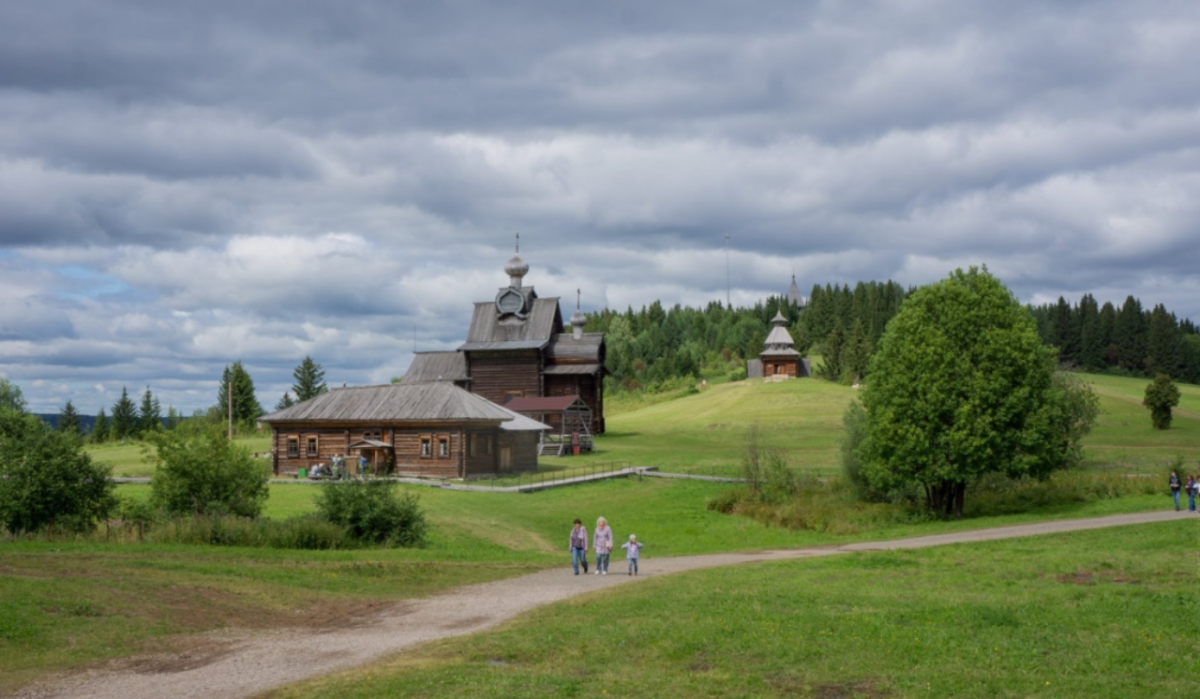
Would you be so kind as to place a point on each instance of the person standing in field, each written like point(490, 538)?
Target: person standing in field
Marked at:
point(579, 546)
point(1191, 493)
point(603, 543)
point(632, 549)
point(1175, 485)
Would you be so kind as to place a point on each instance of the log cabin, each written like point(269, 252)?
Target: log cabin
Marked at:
point(434, 429)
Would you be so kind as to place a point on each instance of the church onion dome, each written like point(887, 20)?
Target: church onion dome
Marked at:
point(578, 319)
point(779, 320)
point(516, 269)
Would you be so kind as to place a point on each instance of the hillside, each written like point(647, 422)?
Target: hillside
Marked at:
point(706, 432)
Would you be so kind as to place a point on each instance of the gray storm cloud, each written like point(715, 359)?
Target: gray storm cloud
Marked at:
point(183, 186)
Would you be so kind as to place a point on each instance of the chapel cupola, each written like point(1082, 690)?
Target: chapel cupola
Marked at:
point(515, 300)
point(578, 320)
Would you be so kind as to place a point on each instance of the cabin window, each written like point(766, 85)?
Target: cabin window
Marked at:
point(443, 447)
point(293, 445)
point(426, 447)
point(509, 395)
point(312, 446)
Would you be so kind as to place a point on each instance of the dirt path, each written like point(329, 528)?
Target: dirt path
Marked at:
point(234, 664)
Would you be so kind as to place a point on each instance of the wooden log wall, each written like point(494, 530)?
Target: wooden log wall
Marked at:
point(495, 373)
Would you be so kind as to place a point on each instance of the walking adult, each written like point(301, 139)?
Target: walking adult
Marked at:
point(603, 543)
point(1191, 492)
point(579, 546)
point(1175, 485)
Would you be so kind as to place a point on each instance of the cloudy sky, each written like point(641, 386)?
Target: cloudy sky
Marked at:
point(187, 184)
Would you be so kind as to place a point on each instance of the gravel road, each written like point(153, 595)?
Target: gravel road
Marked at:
point(236, 664)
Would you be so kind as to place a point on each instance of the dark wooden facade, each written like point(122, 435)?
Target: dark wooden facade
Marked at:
point(516, 348)
point(437, 430)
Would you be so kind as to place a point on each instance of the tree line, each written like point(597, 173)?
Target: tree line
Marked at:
point(1128, 340)
point(127, 420)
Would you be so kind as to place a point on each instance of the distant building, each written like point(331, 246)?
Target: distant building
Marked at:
point(793, 295)
point(779, 358)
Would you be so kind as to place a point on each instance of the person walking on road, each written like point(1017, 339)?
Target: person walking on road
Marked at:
point(632, 549)
point(1175, 485)
point(1191, 493)
point(603, 543)
point(579, 546)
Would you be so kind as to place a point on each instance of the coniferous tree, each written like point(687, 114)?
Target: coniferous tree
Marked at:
point(856, 353)
point(1108, 333)
point(173, 418)
point(150, 414)
point(310, 380)
point(1091, 341)
point(68, 419)
point(286, 401)
point(1162, 343)
point(100, 430)
point(246, 408)
point(124, 417)
point(1129, 335)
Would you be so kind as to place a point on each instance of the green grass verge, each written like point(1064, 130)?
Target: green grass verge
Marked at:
point(1105, 613)
point(129, 460)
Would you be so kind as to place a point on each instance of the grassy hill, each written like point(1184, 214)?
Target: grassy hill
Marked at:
point(706, 432)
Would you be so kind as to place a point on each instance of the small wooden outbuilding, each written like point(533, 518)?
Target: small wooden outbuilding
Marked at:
point(425, 429)
point(569, 417)
point(779, 358)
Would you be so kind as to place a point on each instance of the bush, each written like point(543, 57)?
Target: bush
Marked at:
point(199, 471)
point(306, 532)
point(1161, 395)
point(48, 480)
point(372, 511)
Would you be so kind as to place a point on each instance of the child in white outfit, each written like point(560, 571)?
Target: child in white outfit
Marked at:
point(632, 547)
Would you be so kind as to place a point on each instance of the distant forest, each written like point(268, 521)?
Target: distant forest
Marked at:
point(658, 347)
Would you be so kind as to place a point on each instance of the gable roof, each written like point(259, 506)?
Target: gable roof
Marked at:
point(437, 401)
point(437, 366)
point(535, 331)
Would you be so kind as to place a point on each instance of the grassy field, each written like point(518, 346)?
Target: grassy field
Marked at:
point(64, 605)
point(1091, 614)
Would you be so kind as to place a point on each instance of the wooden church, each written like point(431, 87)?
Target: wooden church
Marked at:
point(517, 347)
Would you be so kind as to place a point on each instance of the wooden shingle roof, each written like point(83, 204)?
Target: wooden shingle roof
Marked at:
point(535, 331)
point(437, 366)
point(402, 402)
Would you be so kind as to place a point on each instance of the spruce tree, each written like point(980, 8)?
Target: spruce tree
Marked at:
point(310, 380)
point(1162, 343)
point(1091, 341)
point(150, 414)
point(173, 418)
point(124, 417)
point(1129, 335)
point(68, 419)
point(285, 402)
point(246, 408)
point(100, 430)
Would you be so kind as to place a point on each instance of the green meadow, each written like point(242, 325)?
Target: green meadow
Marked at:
point(1107, 613)
point(69, 604)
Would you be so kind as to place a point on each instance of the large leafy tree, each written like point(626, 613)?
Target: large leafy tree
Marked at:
point(48, 480)
point(124, 417)
point(10, 396)
point(199, 471)
point(961, 386)
point(246, 408)
point(310, 380)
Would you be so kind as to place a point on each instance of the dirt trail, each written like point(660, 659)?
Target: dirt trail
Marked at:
point(237, 664)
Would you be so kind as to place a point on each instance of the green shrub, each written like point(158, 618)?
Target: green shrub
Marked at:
point(199, 471)
point(306, 532)
point(48, 480)
point(373, 512)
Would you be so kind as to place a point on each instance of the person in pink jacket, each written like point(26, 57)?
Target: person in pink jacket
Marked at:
point(602, 541)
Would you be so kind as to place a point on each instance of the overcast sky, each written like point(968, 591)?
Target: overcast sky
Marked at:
point(187, 184)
